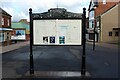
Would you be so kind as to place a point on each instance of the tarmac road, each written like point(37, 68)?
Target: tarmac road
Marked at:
point(101, 63)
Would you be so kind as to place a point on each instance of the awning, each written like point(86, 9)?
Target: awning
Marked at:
point(5, 29)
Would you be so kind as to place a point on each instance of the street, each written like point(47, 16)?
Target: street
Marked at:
point(101, 63)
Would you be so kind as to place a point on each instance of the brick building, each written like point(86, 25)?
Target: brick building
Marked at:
point(5, 28)
point(95, 18)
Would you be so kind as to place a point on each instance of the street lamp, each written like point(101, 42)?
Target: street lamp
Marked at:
point(94, 26)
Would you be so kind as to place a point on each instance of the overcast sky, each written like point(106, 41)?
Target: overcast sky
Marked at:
point(19, 9)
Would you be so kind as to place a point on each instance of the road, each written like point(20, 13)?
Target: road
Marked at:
point(101, 63)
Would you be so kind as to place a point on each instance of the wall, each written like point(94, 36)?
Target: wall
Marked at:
point(6, 22)
point(109, 20)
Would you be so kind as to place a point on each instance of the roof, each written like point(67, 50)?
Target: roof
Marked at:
point(20, 25)
point(105, 5)
point(4, 12)
point(110, 8)
point(56, 13)
point(24, 21)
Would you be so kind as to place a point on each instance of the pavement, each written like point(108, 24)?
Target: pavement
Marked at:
point(4, 49)
point(101, 63)
point(105, 45)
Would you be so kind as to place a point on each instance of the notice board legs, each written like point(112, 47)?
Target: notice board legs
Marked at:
point(31, 40)
point(31, 61)
point(83, 67)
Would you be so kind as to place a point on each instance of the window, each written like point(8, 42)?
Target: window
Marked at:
point(7, 36)
point(91, 15)
point(1, 37)
point(98, 24)
point(91, 24)
point(8, 22)
point(110, 33)
point(2, 21)
point(116, 33)
point(104, 1)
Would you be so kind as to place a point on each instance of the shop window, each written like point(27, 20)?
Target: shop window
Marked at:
point(110, 33)
point(45, 39)
point(52, 39)
point(116, 33)
point(1, 37)
point(62, 39)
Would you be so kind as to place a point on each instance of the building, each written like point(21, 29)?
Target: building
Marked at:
point(5, 28)
point(24, 21)
point(22, 28)
point(57, 27)
point(27, 30)
point(95, 19)
point(110, 25)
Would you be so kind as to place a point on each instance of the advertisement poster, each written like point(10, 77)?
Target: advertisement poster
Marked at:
point(19, 35)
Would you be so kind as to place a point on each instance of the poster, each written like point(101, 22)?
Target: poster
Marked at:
point(52, 39)
point(19, 35)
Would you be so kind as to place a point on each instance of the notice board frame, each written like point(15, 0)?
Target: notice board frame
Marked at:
point(34, 16)
point(83, 41)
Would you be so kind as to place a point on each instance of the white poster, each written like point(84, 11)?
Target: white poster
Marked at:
point(57, 32)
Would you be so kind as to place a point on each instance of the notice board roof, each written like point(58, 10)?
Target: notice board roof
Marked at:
point(57, 13)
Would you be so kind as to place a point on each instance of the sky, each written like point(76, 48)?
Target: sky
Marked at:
point(19, 9)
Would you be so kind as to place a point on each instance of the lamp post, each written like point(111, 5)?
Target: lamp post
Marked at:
point(94, 26)
point(83, 67)
point(94, 37)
